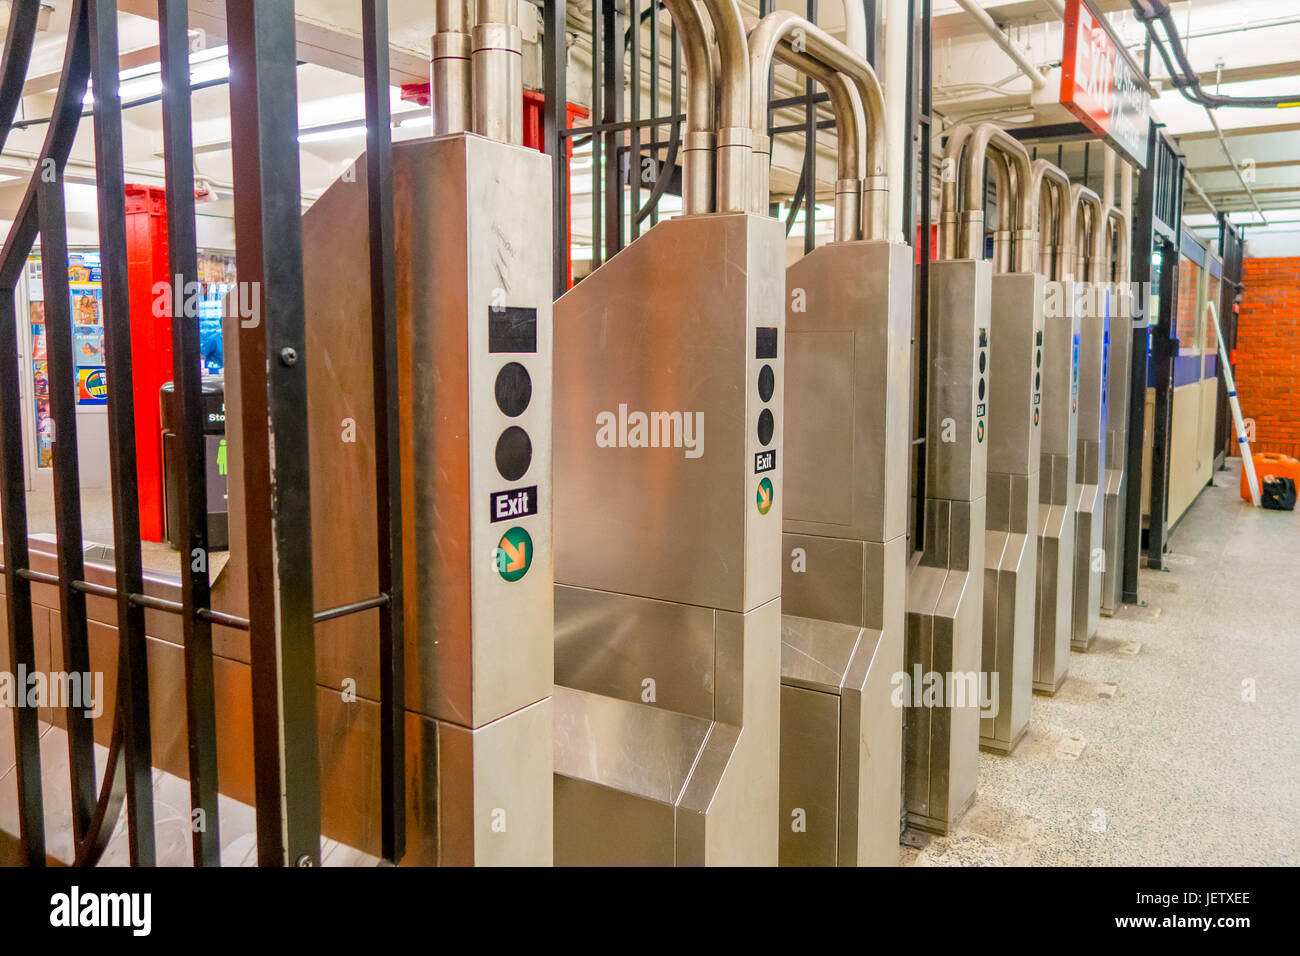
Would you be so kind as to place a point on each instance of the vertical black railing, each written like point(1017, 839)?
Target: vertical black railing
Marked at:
point(67, 484)
point(388, 481)
point(191, 477)
point(273, 404)
point(273, 398)
point(555, 121)
point(133, 670)
point(23, 16)
point(917, 216)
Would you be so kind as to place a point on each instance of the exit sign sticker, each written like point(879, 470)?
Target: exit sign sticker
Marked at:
point(516, 503)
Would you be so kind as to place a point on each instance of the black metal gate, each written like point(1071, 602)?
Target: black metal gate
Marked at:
point(275, 470)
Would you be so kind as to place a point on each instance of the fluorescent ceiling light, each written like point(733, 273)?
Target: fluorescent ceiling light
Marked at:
point(141, 82)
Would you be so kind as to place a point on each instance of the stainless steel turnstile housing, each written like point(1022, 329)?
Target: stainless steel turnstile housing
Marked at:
point(1011, 539)
point(472, 241)
point(845, 553)
point(1057, 494)
point(667, 598)
point(945, 594)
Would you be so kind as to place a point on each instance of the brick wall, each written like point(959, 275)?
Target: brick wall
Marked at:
point(1189, 281)
point(1267, 358)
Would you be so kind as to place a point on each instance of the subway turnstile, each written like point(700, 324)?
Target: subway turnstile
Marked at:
point(1093, 306)
point(668, 504)
point(848, 327)
point(1014, 398)
point(1121, 338)
point(845, 553)
point(945, 592)
point(1053, 618)
point(473, 290)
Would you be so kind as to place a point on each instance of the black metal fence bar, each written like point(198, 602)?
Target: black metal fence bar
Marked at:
point(18, 591)
point(615, 87)
point(388, 477)
point(598, 93)
point(281, 621)
point(191, 477)
point(133, 661)
point(67, 492)
point(42, 209)
point(273, 404)
point(23, 16)
point(555, 119)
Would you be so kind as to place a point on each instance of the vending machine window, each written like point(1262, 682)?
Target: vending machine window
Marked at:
point(84, 283)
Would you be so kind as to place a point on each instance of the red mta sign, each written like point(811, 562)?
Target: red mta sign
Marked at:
point(1101, 85)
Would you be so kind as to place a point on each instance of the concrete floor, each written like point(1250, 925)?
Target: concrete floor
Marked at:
point(1151, 753)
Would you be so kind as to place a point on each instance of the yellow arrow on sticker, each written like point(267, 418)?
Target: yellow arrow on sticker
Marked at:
point(517, 556)
point(764, 496)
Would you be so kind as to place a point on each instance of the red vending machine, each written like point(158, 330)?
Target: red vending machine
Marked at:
point(151, 342)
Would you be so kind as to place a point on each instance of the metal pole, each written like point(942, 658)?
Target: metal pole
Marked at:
point(192, 509)
point(388, 450)
point(273, 396)
point(133, 661)
point(555, 120)
point(23, 19)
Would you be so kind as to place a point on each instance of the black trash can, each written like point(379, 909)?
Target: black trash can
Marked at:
point(214, 438)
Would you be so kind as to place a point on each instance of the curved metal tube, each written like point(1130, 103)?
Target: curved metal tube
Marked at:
point(949, 190)
point(697, 154)
point(1088, 217)
point(734, 139)
point(985, 137)
point(1048, 181)
point(1117, 221)
point(763, 42)
point(849, 125)
point(1006, 181)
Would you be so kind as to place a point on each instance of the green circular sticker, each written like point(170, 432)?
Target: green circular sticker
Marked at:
point(979, 431)
point(764, 496)
point(514, 554)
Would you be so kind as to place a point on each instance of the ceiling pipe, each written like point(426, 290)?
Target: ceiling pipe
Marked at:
point(855, 27)
point(1223, 144)
point(1004, 42)
point(1196, 188)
